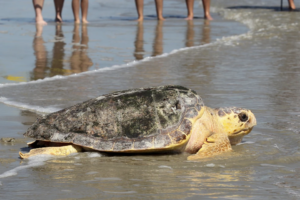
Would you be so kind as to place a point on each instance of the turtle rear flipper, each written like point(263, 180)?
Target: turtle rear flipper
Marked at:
point(214, 145)
point(55, 151)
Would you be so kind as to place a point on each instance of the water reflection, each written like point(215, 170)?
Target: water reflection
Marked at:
point(58, 53)
point(80, 61)
point(158, 40)
point(139, 42)
point(205, 32)
point(157, 44)
point(40, 52)
point(202, 67)
point(57, 65)
point(165, 177)
point(190, 33)
point(191, 39)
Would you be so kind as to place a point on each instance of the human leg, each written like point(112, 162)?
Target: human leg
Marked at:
point(75, 8)
point(38, 7)
point(139, 4)
point(84, 10)
point(58, 9)
point(190, 9)
point(159, 9)
point(206, 7)
point(292, 5)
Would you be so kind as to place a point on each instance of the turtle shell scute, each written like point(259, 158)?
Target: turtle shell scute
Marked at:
point(104, 144)
point(122, 144)
point(83, 140)
point(162, 140)
point(191, 113)
point(143, 143)
point(186, 126)
point(178, 136)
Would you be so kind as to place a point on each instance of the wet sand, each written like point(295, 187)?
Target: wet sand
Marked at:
point(250, 63)
point(111, 38)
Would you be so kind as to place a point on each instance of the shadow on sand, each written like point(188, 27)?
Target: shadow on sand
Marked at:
point(275, 8)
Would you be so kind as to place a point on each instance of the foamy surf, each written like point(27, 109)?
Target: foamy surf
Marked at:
point(94, 154)
point(37, 109)
point(33, 161)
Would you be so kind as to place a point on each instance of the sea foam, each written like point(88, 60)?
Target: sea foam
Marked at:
point(37, 109)
point(34, 161)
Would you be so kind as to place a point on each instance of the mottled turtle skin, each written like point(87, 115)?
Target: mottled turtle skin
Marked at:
point(131, 121)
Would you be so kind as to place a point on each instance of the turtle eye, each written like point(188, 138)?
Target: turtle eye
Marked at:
point(243, 117)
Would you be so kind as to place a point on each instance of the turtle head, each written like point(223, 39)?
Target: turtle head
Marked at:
point(236, 122)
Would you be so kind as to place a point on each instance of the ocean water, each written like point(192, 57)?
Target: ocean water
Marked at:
point(247, 57)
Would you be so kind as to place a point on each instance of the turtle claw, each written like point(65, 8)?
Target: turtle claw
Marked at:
point(24, 155)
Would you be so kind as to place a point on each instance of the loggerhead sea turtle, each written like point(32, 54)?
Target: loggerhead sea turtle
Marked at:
point(157, 119)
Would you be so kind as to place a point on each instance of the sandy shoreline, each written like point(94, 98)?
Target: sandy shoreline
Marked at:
point(256, 68)
point(111, 38)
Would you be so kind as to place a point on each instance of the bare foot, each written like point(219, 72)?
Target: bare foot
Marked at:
point(40, 21)
point(140, 19)
point(208, 17)
point(84, 21)
point(161, 18)
point(77, 21)
point(191, 17)
point(292, 7)
point(58, 19)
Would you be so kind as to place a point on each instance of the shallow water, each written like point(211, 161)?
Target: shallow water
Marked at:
point(257, 68)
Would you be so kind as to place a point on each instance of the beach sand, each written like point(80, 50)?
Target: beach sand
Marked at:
point(247, 56)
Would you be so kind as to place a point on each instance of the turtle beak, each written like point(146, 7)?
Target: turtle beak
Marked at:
point(245, 131)
point(251, 121)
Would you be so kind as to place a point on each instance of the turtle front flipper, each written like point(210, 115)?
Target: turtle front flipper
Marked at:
point(214, 145)
point(55, 151)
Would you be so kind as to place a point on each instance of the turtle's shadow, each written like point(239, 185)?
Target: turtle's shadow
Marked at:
point(25, 149)
point(141, 154)
point(274, 8)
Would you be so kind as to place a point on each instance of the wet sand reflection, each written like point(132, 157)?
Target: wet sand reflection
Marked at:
point(205, 32)
point(160, 176)
point(79, 60)
point(190, 40)
point(68, 58)
point(58, 53)
point(139, 42)
point(158, 40)
point(157, 45)
point(40, 52)
point(190, 34)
